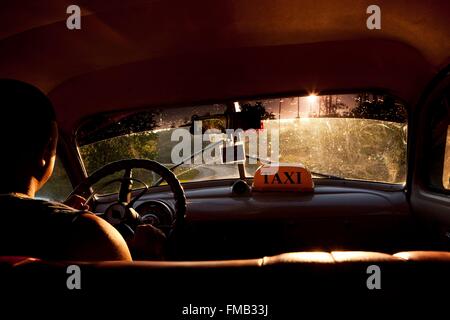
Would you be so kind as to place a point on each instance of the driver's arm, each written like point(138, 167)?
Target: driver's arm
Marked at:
point(93, 239)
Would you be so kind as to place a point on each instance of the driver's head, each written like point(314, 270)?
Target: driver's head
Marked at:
point(28, 137)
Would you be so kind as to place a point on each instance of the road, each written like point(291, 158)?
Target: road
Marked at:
point(216, 171)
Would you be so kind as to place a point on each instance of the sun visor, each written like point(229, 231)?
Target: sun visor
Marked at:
point(282, 177)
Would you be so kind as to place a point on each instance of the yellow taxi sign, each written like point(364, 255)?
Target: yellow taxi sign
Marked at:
point(283, 177)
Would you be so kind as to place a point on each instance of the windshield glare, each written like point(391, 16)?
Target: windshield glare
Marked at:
point(359, 136)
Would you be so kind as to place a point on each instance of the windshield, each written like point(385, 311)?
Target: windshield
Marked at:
point(353, 136)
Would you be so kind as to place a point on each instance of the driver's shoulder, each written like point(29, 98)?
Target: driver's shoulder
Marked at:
point(18, 206)
point(90, 237)
point(97, 240)
point(81, 234)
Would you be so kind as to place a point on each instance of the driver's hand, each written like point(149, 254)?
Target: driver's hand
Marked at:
point(148, 243)
point(77, 202)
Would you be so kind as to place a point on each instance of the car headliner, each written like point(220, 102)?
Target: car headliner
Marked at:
point(131, 54)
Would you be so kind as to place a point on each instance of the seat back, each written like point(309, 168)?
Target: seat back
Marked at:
point(321, 275)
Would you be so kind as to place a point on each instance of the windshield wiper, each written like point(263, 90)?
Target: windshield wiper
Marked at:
point(326, 176)
point(192, 156)
point(322, 175)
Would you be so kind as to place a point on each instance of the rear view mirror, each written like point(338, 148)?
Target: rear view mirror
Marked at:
point(245, 120)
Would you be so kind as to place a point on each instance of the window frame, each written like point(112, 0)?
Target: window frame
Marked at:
point(430, 177)
point(230, 102)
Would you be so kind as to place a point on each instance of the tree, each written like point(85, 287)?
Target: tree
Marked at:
point(378, 107)
point(258, 107)
point(107, 138)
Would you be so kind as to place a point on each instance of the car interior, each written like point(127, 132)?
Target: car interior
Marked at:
point(362, 118)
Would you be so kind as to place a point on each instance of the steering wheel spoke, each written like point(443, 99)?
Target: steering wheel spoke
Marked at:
point(126, 186)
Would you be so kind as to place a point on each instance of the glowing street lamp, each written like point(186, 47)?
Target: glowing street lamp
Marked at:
point(312, 98)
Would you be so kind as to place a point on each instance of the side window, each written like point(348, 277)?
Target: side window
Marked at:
point(58, 187)
point(446, 172)
point(439, 147)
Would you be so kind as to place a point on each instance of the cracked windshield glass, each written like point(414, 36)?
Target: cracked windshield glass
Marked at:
point(352, 136)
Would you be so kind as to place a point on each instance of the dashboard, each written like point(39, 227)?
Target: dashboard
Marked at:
point(221, 223)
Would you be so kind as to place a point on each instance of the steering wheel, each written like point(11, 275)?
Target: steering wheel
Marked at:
point(121, 213)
